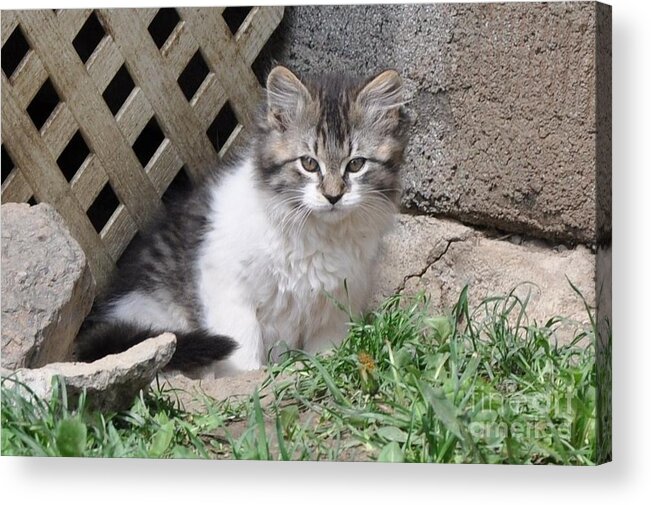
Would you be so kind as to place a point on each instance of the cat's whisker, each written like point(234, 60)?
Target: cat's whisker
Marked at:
point(296, 228)
point(293, 218)
point(379, 195)
point(308, 212)
point(289, 219)
point(379, 207)
point(282, 209)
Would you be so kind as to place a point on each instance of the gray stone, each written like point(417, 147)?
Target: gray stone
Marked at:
point(47, 286)
point(440, 257)
point(414, 244)
point(503, 99)
point(111, 383)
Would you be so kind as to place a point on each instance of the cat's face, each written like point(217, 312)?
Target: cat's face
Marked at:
point(333, 146)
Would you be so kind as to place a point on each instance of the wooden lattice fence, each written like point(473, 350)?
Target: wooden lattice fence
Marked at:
point(103, 109)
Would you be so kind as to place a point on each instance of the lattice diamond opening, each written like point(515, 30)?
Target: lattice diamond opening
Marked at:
point(163, 24)
point(235, 16)
point(222, 127)
point(148, 141)
point(43, 104)
point(14, 51)
point(89, 37)
point(72, 156)
point(118, 90)
point(103, 208)
point(193, 75)
point(7, 163)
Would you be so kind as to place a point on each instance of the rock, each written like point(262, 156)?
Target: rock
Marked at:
point(111, 383)
point(508, 102)
point(47, 286)
point(414, 243)
point(440, 257)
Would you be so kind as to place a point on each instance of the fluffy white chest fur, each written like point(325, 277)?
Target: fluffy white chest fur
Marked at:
point(279, 251)
point(266, 279)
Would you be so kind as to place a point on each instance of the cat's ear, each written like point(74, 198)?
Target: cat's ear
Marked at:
point(383, 94)
point(286, 97)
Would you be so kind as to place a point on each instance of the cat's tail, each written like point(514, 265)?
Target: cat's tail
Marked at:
point(194, 348)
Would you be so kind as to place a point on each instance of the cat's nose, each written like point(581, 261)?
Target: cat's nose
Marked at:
point(333, 198)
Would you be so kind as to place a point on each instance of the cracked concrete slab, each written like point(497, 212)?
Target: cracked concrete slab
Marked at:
point(440, 257)
point(191, 392)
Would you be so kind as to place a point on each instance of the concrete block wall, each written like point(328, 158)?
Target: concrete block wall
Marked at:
point(503, 100)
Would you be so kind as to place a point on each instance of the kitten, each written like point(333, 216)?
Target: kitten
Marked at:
point(268, 246)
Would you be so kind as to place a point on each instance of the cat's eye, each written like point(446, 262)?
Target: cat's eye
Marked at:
point(309, 164)
point(355, 165)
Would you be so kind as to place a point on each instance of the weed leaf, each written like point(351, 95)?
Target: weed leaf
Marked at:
point(391, 453)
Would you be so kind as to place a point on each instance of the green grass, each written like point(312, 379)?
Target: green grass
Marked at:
point(480, 386)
